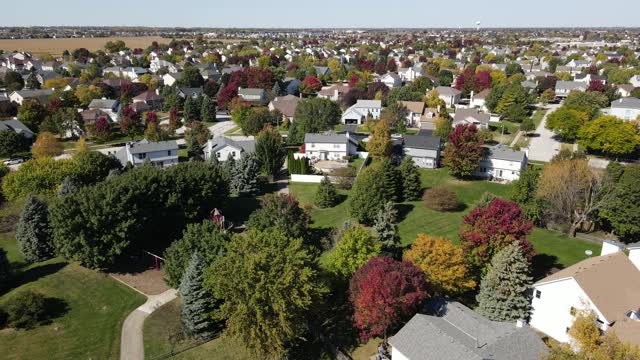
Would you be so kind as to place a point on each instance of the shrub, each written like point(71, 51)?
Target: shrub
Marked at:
point(326, 196)
point(345, 177)
point(441, 198)
point(26, 310)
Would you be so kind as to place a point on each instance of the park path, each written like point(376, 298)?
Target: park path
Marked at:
point(131, 341)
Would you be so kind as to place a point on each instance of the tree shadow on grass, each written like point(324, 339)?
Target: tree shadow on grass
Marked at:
point(403, 211)
point(36, 273)
point(54, 308)
point(543, 265)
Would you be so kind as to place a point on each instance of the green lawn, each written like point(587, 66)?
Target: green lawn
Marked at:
point(159, 330)
point(90, 313)
point(555, 249)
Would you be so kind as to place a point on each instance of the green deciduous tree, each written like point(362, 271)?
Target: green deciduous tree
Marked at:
point(622, 207)
point(266, 299)
point(32, 114)
point(191, 78)
point(504, 289)
point(32, 232)
point(566, 122)
point(354, 248)
point(12, 143)
point(205, 238)
point(282, 212)
point(312, 116)
point(610, 135)
point(198, 303)
point(270, 151)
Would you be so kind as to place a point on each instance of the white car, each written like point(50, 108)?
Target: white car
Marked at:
point(13, 161)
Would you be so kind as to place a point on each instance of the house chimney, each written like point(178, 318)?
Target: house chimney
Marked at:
point(610, 247)
point(634, 254)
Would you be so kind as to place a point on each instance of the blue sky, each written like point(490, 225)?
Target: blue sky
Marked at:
point(324, 13)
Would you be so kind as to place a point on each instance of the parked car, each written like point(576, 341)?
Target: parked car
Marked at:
point(13, 161)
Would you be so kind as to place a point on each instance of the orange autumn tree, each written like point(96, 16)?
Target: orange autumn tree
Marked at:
point(46, 145)
point(443, 264)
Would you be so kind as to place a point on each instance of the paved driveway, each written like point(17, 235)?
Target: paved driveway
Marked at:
point(543, 146)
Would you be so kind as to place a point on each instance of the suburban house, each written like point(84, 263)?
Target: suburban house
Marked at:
point(359, 111)
point(449, 95)
point(18, 127)
point(501, 163)
point(588, 78)
point(423, 149)
point(185, 92)
point(222, 148)
point(608, 284)
point(478, 100)
point(107, 106)
point(471, 116)
point(42, 95)
point(635, 81)
point(171, 78)
point(625, 108)
point(253, 95)
point(334, 92)
point(161, 153)
point(322, 71)
point(625, 90)
point(392, 80)
point(286, 105)
point(151, 98)
point(329, 146)
point(563, 88)
point(416, 109)
point(451, 330)
point(411, 73)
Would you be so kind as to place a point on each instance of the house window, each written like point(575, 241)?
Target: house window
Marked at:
point(233, 153)
point(572, 311)
point(336, 146)
point(142, 156)
point(313, 145)
point(218, 154)
point(538, 294)
point(169, 153)
point(566, 330)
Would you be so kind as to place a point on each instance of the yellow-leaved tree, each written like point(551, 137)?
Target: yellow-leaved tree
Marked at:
point(46, 145)
point(443, 264)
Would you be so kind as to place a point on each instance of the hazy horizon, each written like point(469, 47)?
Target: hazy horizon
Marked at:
point(329, 14)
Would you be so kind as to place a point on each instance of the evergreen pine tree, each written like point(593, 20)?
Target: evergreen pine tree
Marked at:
point(391, 180)
point(326, 196)
point(244, 180)
point(385, 227)
point(32, 232)
point(411, 183)
point(208, 109)
point(229, 168)
point(196, 110)
point(68, 187)
point(5, 269)
point(504, 289)
point(188, 109)
point(197, 303)
point(277, 89)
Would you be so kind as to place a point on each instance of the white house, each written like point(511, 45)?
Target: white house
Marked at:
point(253, 95)
point(450, 95)
point(42, 95)
point(329, 146)
point(392, 80)
point(501, 163)
point(471, 116)
point(358, 112)
point(423, 149)
point(334, 92)
point(223, 148)
point(635, 80)
point(479, 100)
point(157, 64)
point(171, 78)
point(608, 284)
point(626, 108)
point(410, 73)
point(563, 88)
point(161, 153)
point(451, 330)
point(416, 110)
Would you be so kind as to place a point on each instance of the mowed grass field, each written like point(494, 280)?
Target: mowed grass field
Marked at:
point(90, 309)
point(555, 249)
point(55, 47)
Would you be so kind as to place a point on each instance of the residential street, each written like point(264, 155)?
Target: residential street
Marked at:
point(543, 146)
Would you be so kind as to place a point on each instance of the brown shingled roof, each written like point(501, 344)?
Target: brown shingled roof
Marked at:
point(612, 283)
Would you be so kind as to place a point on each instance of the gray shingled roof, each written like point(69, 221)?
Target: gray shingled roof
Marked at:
point(570, 85)
point(421, 142)
point(251, 91)
point(329, 138)
point(102, 104)
point(453, 331)
point(146, 146)
point(626, 103)
point(17, 126)
point(504, 153)
point(447, 91)
point(248, 146)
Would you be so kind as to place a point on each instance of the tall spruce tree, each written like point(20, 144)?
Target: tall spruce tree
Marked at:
point(198, 303)
point(33, 233)
point(411, 183)
point(245, 175)
point(68, 186)
point(504, 289)
point(5, 269)
point(391, 180)
point(208, 109)
point(385, 227)
point(326, 196)
point(190, 109)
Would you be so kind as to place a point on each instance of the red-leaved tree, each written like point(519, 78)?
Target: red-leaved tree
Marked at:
point(384, 293)
point(596, 86)
point(226, 95)
point(130, 123)
point(310, 85)
point(488, 229)
point(464, 150)
point(483, 81)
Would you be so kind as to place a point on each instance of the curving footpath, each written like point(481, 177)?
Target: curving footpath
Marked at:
point(131, 341)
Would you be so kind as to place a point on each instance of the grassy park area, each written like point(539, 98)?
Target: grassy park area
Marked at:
point(89, 308)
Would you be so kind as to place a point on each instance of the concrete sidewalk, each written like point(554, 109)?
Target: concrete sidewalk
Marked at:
point(132, 339)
